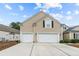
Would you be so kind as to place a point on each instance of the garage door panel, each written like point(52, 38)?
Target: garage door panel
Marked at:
point(50, 37)
point(27, 37)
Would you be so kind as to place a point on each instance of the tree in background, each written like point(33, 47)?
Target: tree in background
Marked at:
point(15, 25)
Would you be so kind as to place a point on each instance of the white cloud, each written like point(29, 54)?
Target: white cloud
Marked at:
point(57, 16)
point(62, 12)
point(77, 4)
point(61, 17)
point(14, 14)
point(24, 16)
point(8, 7)
point(38, 5)
point(76, 12)
point(68, 17)
point(1, 19)
point(44, 10)
point(21, 7)
point(68, 12)
point(45, 6)
point(53, 5)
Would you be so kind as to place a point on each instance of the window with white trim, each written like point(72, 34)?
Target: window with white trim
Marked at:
point(47, 23)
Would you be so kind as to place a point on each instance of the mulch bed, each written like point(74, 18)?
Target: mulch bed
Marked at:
point(74, 45)
point(4, 45)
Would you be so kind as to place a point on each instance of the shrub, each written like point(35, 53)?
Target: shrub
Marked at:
point(65, 41)
point(74, 41)
point(18, 41)
point(69, 41)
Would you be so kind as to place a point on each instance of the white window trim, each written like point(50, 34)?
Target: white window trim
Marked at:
point(50, 23)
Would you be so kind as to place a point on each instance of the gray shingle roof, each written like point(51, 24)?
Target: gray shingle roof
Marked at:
point(8, 29)
point(64, 25)
point(71, 29)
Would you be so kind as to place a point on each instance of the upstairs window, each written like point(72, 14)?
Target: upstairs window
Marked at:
point(47, 23)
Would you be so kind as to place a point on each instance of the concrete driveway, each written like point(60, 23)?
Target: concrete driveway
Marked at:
point(40, 49)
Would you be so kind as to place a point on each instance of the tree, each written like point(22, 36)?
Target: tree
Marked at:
point(15, 25)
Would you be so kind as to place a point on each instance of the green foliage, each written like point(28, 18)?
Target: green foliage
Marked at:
point(74, 41)
point(69, 41)
point(65, 41)
point(18, 41)
point(15, 25)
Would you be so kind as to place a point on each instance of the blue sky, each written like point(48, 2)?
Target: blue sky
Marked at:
point(67, 13)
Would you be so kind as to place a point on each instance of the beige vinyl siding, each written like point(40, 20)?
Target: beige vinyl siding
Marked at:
point(27, 27)
point(39, 27)
point(66, 36)
point(71, 34)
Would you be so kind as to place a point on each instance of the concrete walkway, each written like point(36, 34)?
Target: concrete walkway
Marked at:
point(40, 49)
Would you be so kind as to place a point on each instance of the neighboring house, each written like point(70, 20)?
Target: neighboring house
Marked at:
point(7, 33)
point(72, 33)
point(64, 27)
point(41, 28)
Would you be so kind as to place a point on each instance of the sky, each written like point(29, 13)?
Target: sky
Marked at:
point(65, 13)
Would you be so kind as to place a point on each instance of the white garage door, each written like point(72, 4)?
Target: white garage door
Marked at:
point(26, 37)
point(48, 37)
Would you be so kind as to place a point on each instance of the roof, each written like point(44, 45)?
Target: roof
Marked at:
point(71, 29)
point(43, 14)
point(64, 25)
point(8, 29)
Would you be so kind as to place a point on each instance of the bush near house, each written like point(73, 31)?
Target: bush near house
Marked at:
point(65, 41)
point(69, 41)
point(18, 41)
point(75, 41)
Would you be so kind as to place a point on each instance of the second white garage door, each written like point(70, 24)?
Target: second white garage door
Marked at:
point(48, 37)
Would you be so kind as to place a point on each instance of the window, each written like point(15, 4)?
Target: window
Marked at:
point(52, 24)
point(74, 35)
point(43, 23)
point(64, 27)
point(47, 23)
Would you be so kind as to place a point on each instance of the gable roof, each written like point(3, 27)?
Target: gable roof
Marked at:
point(43, 14)
point(8, 29)
point(64, 25)
point(71, 29)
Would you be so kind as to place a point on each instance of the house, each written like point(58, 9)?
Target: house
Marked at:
point(41, 28)
point(7, 33)
point(72, 33)
point(64, 27)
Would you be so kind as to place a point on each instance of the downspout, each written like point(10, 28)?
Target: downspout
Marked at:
point(34, 33)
